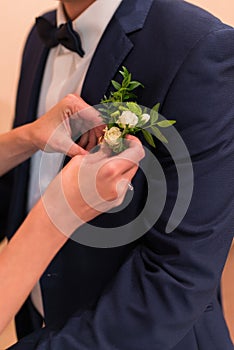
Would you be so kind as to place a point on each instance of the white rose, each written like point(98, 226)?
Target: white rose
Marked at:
point(145, 118)
point(112, 136)
point(127, 118)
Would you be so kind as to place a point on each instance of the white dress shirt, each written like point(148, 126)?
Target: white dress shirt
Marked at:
point(64, 73)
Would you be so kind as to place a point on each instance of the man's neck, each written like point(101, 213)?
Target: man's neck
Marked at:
point(74, 8)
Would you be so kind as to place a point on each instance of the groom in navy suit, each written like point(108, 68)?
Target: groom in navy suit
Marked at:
point(161, 291)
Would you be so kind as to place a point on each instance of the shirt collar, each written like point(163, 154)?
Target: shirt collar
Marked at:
point(92, 23)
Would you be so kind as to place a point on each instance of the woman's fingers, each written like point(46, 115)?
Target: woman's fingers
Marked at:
point(73, 104)
point(75, 150)
point(92, 140)
point(126, 160)
point(119, 164)
point(122, 183)
point(83, 111)
point(135, 152)
point(84, 140)
point(71, 117)
point(128, 175)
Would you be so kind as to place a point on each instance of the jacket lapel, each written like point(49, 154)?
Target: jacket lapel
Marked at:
point(113, 48)
point(33, 65)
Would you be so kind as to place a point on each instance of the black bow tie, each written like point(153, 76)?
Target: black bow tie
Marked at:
point(64, 35)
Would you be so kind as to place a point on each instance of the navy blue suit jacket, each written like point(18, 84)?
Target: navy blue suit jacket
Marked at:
point(159, 292)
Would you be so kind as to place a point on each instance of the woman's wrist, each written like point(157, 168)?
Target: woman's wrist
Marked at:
point(44, 226)
point(28, 138)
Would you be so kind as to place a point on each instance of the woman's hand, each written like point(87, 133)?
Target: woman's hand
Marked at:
point(86, 187)
point(70, 118)
point(90, 185)
point(53, 132)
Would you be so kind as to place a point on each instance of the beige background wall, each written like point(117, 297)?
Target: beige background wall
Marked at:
point(16, 19)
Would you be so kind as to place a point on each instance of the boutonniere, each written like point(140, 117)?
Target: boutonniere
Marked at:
point(123, 115)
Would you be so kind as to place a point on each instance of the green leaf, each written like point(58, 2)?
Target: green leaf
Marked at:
point(117, 96)
point(166, 123)
point(156, 107)
point(110, 125)
point(158, 134)
point(148, 137)
point(133, 85)
point(122, 108)
point(153, 117)
point(134, 108)
point(154, 114)
point(116, 85)
point(126, 80)
point(125, 72)
point(115, 114)
point(129, 96)
point(102, 110)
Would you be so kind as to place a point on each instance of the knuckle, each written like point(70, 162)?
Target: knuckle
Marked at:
point(141, 152)
point(113, 195)
point(70, 98)
point(70, 103)
point(109, 170)
point(74, 162)
point(119, 200)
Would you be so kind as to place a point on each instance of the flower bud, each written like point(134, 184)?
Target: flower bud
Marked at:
point(145, 118)
point(127, 118)
point(112, 136)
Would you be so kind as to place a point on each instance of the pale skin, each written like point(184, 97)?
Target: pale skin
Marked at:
point(19, 144)
point(40, 237)
point(74, 8)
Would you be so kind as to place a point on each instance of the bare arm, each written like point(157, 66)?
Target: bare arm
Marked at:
point(24, 259)
point(41, 236)
point(15, 147)
point(51, 132)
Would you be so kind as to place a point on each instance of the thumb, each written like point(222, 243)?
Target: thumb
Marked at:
point(66, 145)
point(75, 150)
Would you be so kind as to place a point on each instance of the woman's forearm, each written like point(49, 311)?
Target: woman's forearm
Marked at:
point(86, 187)
point(24, 259)
point(15, 147)
point(51, 131)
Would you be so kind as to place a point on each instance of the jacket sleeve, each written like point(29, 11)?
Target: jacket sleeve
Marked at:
point(166, 283)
